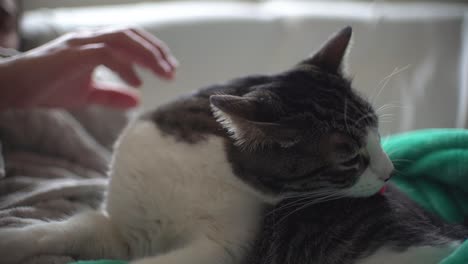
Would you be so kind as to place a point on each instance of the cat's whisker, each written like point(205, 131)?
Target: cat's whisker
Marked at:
point(382, 86)
point(407, 162)
point(299, 198)
point(402, 160)
point(388, 106)
point(346, 116)
point(398, 171)
point(385, 139)
point(362, 117)
point(387, 118)
point(312, 198)
point(383, 83)
point(314, 193)
point(386, 115)
point(315, 201)
point(286, 206)
point(303, 197)
point(390, 152)
point(392, 104)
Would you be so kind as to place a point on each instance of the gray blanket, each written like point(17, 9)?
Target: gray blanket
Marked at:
point(53, 163)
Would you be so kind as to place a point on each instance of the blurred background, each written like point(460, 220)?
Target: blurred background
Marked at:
point(410, 58)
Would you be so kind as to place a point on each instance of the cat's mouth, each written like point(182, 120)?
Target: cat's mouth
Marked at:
point(382, 190)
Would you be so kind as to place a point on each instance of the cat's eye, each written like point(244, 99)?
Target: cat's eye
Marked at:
point(352, 161)
point(344, 147)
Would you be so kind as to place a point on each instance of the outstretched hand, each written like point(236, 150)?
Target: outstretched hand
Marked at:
point(59, 73)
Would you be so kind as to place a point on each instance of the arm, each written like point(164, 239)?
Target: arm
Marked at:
point(59, 74)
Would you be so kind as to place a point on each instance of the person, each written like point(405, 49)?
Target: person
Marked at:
point(58, 74)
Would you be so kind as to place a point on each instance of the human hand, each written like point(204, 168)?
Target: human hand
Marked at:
point(59, 73)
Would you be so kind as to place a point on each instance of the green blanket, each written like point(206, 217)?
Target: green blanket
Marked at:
point(432, 168)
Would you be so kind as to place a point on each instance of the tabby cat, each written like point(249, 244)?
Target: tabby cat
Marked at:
point(271, 169)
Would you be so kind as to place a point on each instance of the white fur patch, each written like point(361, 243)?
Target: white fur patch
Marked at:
point(379, 169)
point(173, 192)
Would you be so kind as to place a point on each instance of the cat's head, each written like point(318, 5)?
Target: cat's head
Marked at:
point(305, 130)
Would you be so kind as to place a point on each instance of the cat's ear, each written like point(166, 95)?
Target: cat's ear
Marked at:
point(238, 115)
point(331, 55)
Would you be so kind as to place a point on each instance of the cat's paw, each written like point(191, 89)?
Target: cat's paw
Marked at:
point(15, 245)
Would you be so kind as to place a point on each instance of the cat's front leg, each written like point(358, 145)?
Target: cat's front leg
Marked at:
point(200, 251)
point(86, 235)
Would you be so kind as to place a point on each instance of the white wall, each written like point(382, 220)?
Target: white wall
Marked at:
point(218, 41)
point(35, 4)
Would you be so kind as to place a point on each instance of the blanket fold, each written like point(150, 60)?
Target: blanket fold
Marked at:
point(54, 163)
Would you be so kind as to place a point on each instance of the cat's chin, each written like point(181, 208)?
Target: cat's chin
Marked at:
point(368, 184)
point(374, 177)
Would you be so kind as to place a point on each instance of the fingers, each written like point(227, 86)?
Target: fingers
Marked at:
point(97, 54)
point(112, 96)
point(159, 61)
point(161, 46)
point(137, 45)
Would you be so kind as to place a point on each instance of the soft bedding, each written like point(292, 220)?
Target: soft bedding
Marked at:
point(55, 164)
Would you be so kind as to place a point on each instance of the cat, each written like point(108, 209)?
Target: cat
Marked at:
point(218, 177)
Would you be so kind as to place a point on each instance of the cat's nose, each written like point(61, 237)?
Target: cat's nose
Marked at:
point(386, 176)
point(386, 180)
point(387, 168)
